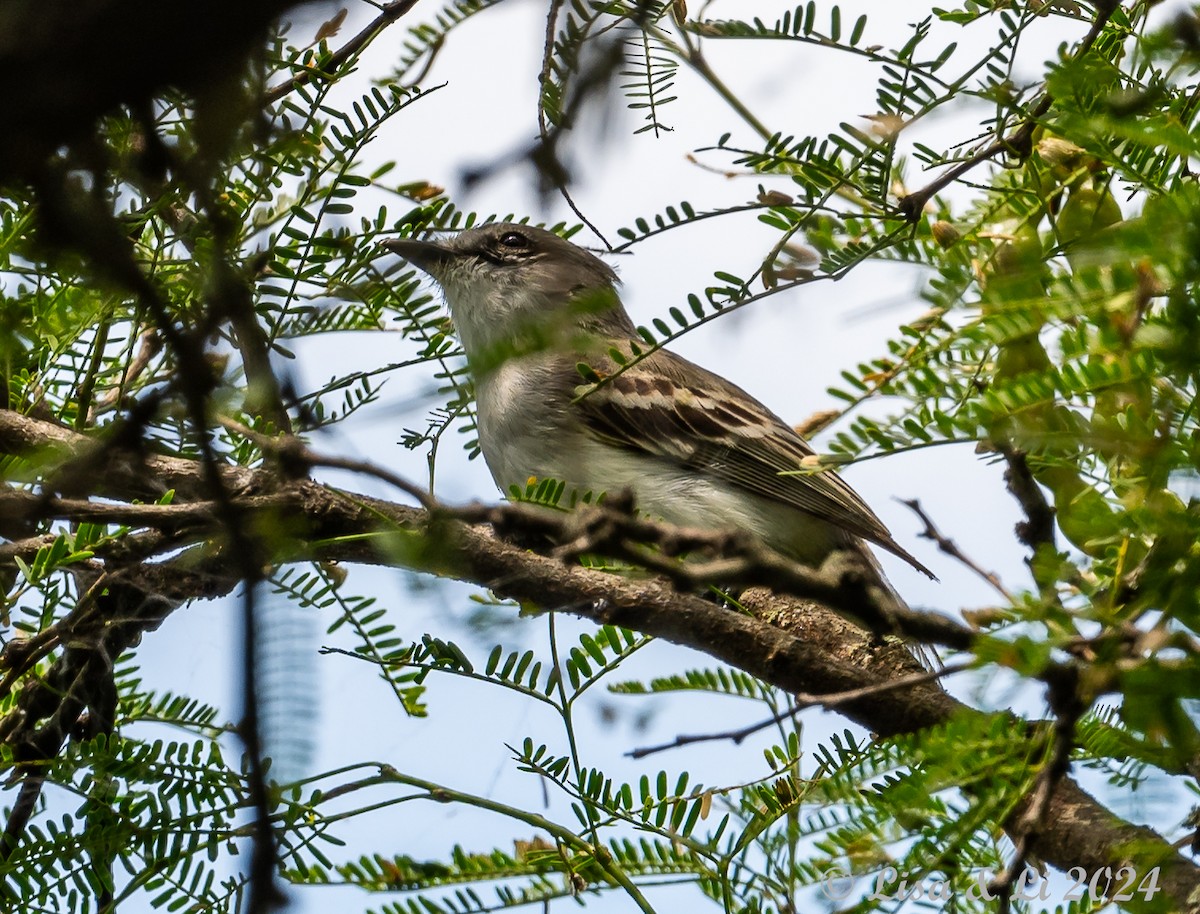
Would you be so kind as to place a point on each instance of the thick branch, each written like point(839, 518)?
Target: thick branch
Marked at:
point(793, 644)
point(110, 472)
point(611, 530)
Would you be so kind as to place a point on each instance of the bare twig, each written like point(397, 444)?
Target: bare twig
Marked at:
point(547, 65)
point(838, 699)
point(948, 546)
point(546, 151)
point(298, 455)
point(25, 547)
point(734, 736)
point(805, 701)
point(164, 517)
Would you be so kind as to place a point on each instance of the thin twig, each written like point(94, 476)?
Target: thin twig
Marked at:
point(293, 450)
point(1018, 142)
point(803, 702)
point(547, 65)
point(948, 546)
point(389, 14)
point(734, 736)
point(548, 142)
point(829, 702)
point(432, 53)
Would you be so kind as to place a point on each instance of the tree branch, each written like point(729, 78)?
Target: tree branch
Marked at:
point(802, 703)
point(1038, 527)
point(948, 546)
point(388, 14)
point(794, 644)
point(1017, 142)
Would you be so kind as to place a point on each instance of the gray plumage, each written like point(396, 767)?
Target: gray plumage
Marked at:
point(695, 449)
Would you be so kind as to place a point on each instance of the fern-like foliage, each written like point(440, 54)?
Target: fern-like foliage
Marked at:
point(652, 75)
point(1061, 338)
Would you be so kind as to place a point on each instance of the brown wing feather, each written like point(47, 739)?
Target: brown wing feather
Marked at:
point(674, 409)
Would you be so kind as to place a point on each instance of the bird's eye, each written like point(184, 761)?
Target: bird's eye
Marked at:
point(513, 240)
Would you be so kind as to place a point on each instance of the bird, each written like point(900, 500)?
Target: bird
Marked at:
point(567, 389)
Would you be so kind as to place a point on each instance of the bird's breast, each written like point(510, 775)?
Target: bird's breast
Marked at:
point(521, 414)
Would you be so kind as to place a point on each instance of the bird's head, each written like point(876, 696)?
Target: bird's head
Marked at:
point(511, 285)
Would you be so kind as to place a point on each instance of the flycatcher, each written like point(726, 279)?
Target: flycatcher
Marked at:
point(565, 390)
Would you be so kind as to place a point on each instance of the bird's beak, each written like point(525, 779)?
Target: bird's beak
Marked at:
point(429, 256)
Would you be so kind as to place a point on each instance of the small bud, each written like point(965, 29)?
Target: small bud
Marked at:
point(802, 253)
point(330, 27)
point(886, 126)
point(679, 12)
point(1086, 212)
point(335, 572)
point(815, 423)
point(1057, 151)
point(792, 273)
point(783, 790)
point(945, 234)
point(526, 849)
point(420, 191)
point(928, 320)
point(980, 619)
point(775, 198)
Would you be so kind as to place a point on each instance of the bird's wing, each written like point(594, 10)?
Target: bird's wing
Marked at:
point(669, 407)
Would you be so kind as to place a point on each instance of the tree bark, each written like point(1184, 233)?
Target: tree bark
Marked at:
point(788, 642)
